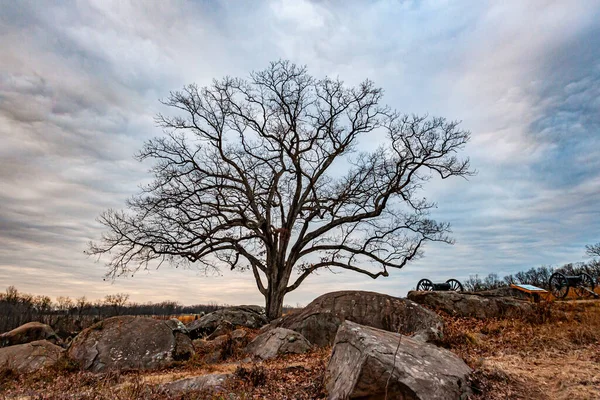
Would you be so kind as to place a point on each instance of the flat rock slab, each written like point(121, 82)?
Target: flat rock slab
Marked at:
point(208, 383)
point(239, 316)
point(276, 342)
point(319, 321)
point(29, 332)
point(127, 343)
point(470, 305)
point(504, 292)
point(363, 358)
point(30, 357)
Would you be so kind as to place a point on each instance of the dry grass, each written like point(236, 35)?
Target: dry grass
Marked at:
point(553, 353)
point(292, 377)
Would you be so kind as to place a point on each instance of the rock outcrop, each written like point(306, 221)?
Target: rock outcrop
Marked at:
point(504, 292)
point(232, 317)
point(30, 357)
point(363, 359)
point(29, 332)
point(319, 321)
point(126, 343)
point(470, 305)
point(277, 341)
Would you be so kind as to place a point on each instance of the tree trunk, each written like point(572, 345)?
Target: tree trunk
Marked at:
point(274, 299)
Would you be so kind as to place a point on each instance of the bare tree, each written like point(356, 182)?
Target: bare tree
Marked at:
point(43, 304)
point(593, 250)
point(266, 174)
point(12, 295)
point(64, 304)
point(82, 305)
point(116, 301)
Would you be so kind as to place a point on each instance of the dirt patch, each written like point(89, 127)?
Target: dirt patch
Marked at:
point(556, 376)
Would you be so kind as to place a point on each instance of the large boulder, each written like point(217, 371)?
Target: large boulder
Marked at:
point(30, 357)
point(239, 316)
point(470, 305)
point(29, 332)
point(363, 359)
point(319, 321)
point(277, 342)
point(126, 343)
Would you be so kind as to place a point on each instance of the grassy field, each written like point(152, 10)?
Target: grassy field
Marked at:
point(554, 353)
point(551, 354)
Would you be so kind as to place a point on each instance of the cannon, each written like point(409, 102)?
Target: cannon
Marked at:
point(449, 285)
point(582, 284)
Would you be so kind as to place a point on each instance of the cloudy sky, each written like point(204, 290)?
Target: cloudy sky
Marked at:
point(80, 83)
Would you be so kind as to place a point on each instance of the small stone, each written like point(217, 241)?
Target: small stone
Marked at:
point(212, 383)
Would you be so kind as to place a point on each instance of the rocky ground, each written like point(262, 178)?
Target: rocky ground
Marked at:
point(550, 352)
point(288, 377)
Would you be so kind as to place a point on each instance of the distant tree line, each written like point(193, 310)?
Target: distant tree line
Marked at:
point(68, 315)
point(535, 276)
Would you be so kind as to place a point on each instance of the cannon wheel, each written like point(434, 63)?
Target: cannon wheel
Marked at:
point(559, 286)
point(586, 282)
point(425, 285)
point(455, 285)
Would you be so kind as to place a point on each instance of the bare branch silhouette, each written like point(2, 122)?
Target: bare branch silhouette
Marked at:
point(266, 174)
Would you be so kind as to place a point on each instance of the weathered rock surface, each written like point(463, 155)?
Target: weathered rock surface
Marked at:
point(29, 332)
point(177, 326)
point(30, 357)
point(470, 305)
point(319, 321)
point(224, 328)
point(240, 335)
point(363, 358)
point(239, 316)
point(210, 350)
point(129, 343)
point(503, 292)
point(277, 342)
point(212, 383)
point(222, 346)
point(184, 349)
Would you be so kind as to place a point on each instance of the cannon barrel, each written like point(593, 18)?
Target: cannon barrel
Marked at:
point(444, 286)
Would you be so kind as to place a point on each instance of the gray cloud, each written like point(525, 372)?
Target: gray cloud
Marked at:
point(79, 84)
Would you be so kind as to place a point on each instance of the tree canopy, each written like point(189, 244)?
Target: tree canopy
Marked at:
point(267, 174)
